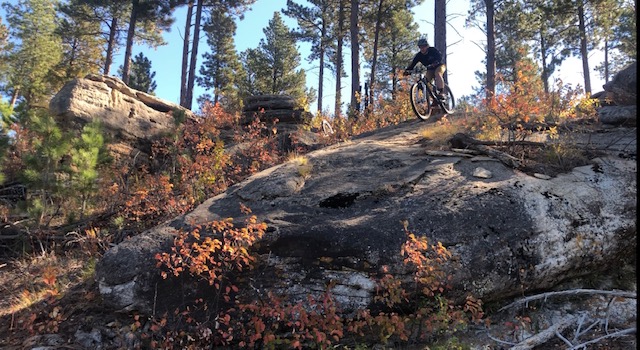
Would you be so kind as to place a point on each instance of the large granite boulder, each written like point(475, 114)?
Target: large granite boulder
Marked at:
point(618, 100)
point(133, 118)
point(338, 222)
point(624, 86)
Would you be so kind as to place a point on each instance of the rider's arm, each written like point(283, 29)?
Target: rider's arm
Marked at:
point(435, 58)
point(413, 63)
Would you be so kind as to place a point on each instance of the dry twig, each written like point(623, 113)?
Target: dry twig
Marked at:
point(557, 328)
point(545, 296)
point(545, 335)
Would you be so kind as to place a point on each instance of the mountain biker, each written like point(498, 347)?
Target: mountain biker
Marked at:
point(431, 58)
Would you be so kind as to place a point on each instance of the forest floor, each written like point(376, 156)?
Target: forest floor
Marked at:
point(32, 315)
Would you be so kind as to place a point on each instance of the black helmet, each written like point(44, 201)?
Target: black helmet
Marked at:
point(423, 42)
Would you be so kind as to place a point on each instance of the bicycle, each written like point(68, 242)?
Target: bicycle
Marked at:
point(424, 100)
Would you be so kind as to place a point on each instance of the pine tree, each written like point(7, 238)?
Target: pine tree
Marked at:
point(87, 154)
point(619, 35)
point(221, 67)
point(315, 22)
point(113, 16)
point(141, 76)
point(42, 166)
point(336, 57)
point(376, 21)
point(354, 32)
point(547, 26)
point(273, 68)
point(83, 49)
point(397, 49)
point(488, 8)
point(4, 49)
point(189, 58)
point(38, 50)
point(148, 19)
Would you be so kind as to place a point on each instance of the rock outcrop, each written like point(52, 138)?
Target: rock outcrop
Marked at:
point(133, 118)
point(339, 221)
point(271, 107)
point(290, 119)
point(619, 99)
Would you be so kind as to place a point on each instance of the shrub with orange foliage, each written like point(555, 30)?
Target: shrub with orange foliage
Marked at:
point(523, 100)
point(259, 150)
point(191, 166)
point(409, 310)
point(524, 107)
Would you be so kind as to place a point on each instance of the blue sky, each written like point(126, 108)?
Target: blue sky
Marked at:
point(464, 55)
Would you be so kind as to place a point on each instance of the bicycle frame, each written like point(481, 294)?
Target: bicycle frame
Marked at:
point(429, 84)
point(424, 99)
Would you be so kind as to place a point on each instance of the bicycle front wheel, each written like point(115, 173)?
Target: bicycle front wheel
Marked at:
point(420, 101)
point(449, 104)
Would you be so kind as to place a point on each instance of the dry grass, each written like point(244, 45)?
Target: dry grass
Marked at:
point(28, 281)
point(441, 131)
point(302, 162)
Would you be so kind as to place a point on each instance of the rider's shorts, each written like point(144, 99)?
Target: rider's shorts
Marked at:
point(440, 70)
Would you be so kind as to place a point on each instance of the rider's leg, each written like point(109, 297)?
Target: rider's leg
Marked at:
point(439, 73)
point(429, 75)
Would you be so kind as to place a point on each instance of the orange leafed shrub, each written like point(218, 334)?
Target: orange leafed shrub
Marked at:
point(524, 101)
point(222, 250)
point(216, 250)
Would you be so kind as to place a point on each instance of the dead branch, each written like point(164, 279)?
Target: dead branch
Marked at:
point(466, 142)
point(500, 341)
point(556, 329)
point(545, 335)
point(532, 126)
point(617, 334)
point(545, 296)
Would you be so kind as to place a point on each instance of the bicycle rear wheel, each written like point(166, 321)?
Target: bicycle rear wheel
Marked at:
point(420, 101)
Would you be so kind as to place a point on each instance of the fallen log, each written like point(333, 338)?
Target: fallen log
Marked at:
point(464, 141)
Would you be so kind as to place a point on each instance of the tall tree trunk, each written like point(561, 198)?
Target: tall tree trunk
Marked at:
point(321, 72)
point(194, 56)
point(583, 48)
point(185, 56)
point(491, 51)
point(110, 45)
point(355, 58)
point(394, 79)
point(339, 64)
point(129, 47)
point(543, 57)
point(374, 58)
point(606, 61)
point(14, 97)
point(440, 29)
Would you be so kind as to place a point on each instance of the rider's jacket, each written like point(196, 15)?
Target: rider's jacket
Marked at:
point(432, 59)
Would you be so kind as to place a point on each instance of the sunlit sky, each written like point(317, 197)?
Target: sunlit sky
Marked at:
point(464, 54)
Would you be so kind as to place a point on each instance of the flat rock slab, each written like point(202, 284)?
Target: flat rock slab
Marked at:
point(340, 219)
